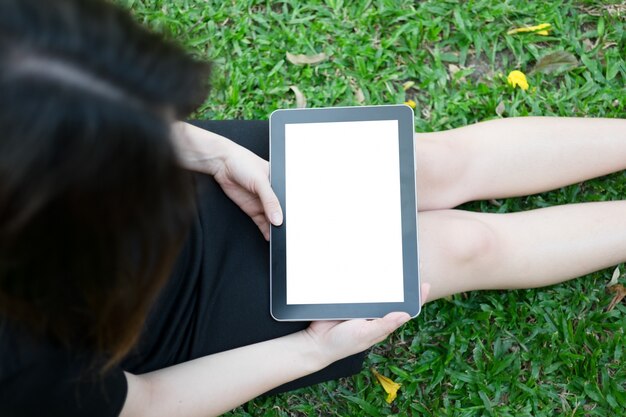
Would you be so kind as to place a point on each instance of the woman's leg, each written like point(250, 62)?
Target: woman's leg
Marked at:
point(462, 251)
point(514, 157)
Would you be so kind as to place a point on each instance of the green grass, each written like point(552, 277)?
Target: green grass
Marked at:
point(554, 351)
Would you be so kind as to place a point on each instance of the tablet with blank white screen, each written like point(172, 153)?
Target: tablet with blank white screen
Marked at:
point(348, 246)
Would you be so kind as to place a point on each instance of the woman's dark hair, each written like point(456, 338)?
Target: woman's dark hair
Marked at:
point(93, 202)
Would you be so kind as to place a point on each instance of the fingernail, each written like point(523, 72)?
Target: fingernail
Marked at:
point(276, 218)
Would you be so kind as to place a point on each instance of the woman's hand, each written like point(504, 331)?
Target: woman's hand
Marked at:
point(243, 176)
point(338, 339)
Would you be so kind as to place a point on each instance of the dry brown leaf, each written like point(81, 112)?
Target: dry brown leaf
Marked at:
point(588, 45)
point(500, 108)
point(359, 97)
point(300, 98)
point(306, 59)
point(453, 69)
point(556, 62)
point(616, 10)
point(620, 293)
point(615, 277)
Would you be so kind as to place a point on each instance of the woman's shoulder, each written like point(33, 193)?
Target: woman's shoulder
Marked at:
point(36, 374)
point(18, 349)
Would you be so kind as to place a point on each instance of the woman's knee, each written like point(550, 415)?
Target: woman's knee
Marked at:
point(440, 167)
point(463, 239)
point(458, 251)
point(476, 244)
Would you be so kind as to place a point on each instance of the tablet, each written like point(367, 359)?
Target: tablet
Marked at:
point(348, 247)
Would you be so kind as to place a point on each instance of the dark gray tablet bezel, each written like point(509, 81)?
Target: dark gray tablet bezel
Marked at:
point(279, 308)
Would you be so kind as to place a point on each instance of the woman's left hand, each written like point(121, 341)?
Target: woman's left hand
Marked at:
point(336, 340)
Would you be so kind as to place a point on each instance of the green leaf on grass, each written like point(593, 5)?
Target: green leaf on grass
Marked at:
point(556, 62)
point(365, 406)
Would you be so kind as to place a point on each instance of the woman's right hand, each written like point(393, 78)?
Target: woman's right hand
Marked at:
point(338, 339)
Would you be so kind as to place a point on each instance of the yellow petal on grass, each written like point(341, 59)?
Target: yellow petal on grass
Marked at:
point(408, 85)
point(542, 29)
point(411, 104)
point(517, 79)
point(390, 387)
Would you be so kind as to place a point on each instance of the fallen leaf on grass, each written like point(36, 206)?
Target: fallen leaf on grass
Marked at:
point(588, 45)
point(615, 277)
point(517, 79)
point(306, 59)
point(359, 97)
point(453, 70)
point(500, 108)
point(613, 10)
point(556, 62)
point(408, 85)
point(542, 29)
point(300, 99)
point(620, 293)
point(390, 387)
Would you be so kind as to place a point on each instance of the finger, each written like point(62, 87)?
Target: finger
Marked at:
point(270, 203)
point(263, 225)
point(379, 329)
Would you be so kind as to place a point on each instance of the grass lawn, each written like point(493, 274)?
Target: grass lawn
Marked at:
point(554, 351)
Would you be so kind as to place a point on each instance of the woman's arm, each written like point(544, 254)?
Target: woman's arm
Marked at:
point(217, 383)
point(243, 176)
point(198, 149)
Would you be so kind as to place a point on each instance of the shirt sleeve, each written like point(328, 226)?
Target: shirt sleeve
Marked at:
point(60, 384)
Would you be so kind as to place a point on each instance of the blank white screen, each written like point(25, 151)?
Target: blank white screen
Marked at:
point(344, 229)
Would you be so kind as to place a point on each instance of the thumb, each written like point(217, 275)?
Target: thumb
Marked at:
point(383, 327)
point(271, 205)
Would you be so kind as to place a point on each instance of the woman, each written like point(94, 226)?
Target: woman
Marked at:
point(129, 287)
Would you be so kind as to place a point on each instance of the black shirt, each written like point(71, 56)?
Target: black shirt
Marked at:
point(38, 377)
point(216, 299)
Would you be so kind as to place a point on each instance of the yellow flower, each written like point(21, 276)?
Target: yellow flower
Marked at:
point(390, 387)
point(542, 29)
point(411, 104)
point(517, 79)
